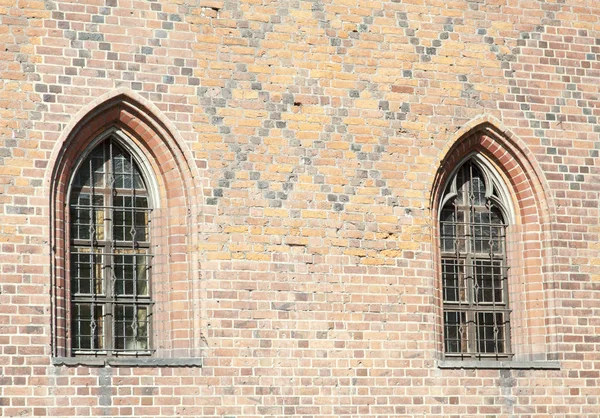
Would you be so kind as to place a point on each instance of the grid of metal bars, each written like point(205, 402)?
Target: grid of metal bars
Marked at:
point(474, 270)
point(111, 303)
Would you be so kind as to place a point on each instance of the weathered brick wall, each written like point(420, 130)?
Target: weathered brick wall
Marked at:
point(315, 132)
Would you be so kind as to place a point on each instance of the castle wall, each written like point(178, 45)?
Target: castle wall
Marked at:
point(308, 140)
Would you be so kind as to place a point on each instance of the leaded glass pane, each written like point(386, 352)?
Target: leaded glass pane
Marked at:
point(489, 281)
point(84, 208)
point(131, 269)
point(490, 332)
point(448, 230)
point(452, 225)
point(92, 171)
point(454, 281)
point(477, 187)
point(130, 222)
point(488, 231)
point(131, 328)
point(87, 273)
point(127, 175)
point(455, 332)
point(87, 326)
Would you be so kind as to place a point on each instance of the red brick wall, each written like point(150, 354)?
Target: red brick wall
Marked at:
point(300, 148)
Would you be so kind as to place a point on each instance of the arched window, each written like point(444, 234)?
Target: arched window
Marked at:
point(474, 215)
point(125, 207)
point(109, 252)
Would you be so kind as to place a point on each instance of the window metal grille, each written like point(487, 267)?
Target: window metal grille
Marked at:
point(474, 270)
point(111, 305)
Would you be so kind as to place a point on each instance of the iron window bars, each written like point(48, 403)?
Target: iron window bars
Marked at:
point(110, 295)
point(474, 271)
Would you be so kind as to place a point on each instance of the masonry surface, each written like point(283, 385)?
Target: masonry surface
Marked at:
point(304, 142)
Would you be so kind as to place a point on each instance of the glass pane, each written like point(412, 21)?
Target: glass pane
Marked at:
point(454, 282)
point(455, 332)
point(461, 231)
point(490, 332)
point(488, 232)
point(131, 272)
point(126, 172)
point(123, 171)
point(138, 182)
point(131, 222)
point(95, 163)
point(87, 275)
point(462, 186)
point(488, 282)
point(82, 212)
point(497, 231)
point(87, 329)
point(452, 234)
point(470, 185)
point(448, 230)
point(131, 327)
point(481, 232)
point(82, 179)
point(477, 186)
point(98, 167)
point(81, 218)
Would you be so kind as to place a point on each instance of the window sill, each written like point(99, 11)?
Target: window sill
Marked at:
point(492, 364)
point(127, 362)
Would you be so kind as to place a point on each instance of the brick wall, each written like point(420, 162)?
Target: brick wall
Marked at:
point(299, 148)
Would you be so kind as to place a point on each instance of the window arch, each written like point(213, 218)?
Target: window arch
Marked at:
point(474, 214)
point(514, 194)
point(109, 250)
point(125, 277)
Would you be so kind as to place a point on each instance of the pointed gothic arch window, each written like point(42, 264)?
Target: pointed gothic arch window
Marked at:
point(474, 213)
point(110, 207)
point(123, 200)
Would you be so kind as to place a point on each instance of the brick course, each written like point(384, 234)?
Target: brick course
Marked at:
point(299, 149)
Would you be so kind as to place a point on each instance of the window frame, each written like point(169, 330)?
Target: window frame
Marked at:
point(497, 192)
point(123, 141)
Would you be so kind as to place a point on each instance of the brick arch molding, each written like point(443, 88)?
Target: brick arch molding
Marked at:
point(177, 330)
point(530, 242)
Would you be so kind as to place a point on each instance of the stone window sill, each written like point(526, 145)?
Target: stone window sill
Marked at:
point(127, 362)
point(491, 364)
